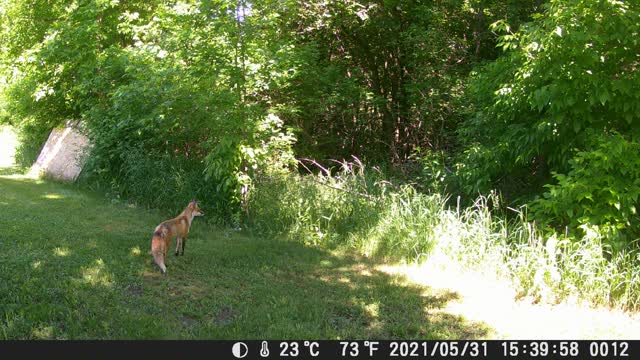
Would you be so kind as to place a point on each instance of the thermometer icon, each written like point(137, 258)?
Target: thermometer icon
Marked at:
point(264, 350)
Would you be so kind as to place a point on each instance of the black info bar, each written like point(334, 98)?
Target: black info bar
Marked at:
point(323, 349)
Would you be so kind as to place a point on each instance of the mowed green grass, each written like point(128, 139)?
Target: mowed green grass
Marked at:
point(74, 265)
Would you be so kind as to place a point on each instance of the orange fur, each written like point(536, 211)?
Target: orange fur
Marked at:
point(178, 227)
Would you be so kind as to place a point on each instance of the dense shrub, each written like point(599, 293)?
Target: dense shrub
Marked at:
point(602, 189)
point(567, 76)
point(32, 136)
point(544, 112)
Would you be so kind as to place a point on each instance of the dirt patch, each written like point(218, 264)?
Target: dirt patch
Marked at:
point(188, 321)
point(224, 316)
point(134, 289)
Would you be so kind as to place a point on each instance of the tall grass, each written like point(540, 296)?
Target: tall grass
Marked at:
point(351, 208)
point(359, 210)
point(546, 268)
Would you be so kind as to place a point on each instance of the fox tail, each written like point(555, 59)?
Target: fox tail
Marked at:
point(157, 249)
point(158, 259)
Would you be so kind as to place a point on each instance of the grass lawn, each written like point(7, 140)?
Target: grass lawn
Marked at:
point(74, 265)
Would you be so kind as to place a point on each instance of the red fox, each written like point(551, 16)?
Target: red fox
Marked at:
point(178, 227)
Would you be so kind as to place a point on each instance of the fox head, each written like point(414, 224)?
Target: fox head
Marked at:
point(195, 208)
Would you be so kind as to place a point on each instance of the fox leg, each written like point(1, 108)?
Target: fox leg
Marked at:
point(184, 241)
point(178, 241)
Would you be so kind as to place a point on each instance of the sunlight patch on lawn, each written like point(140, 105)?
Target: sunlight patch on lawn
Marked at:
point(24, 177)
point(373, 310)
point(339, 279)
point(361, 269)
point(52, 196)
point(97, 274)
point(136, 251)
point(62, 252)
point(486, 298)
point(373, 313)
point(36, 264)
point(42, 332)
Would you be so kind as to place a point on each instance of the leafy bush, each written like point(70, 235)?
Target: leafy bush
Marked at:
point(602, 189)
point(149, 102)
point(433, 175)
point(566, 75)
point(31, 138)
point(160, 181)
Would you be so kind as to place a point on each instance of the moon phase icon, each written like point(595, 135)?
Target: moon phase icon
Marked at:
point(239, 350)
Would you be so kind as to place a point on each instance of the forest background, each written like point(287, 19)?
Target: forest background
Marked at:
point(504, 132)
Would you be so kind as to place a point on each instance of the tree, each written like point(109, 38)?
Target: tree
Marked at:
point(381, 79)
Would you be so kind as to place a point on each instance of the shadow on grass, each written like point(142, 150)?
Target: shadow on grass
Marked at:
point(74, 266)
point(255, 288)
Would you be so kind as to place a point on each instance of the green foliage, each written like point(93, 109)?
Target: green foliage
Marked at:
point(567, 268)
point(31, 138)
point(158, 181)
point(379, 79)
point(601, 190)
point(434, 176)
point(560, 111)
point(568, 74)
point(199, 79)
point(186, 99)
point(268, 152)
point(179, 88)
point(543, 268)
